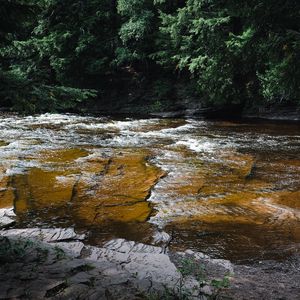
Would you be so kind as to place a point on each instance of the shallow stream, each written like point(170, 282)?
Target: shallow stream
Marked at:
point(228, 189)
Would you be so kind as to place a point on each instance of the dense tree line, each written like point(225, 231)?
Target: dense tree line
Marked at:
point(55, 54)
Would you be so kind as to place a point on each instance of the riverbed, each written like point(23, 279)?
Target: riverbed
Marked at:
point(230, 189)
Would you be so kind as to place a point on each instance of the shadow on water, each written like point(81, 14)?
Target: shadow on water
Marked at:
point(230, 189)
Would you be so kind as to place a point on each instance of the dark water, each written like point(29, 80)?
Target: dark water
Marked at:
point(229, 189)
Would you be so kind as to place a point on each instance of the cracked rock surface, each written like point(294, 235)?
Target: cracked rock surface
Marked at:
point(55, 264)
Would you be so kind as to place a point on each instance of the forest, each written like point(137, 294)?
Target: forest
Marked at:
point(150, 149)
point(63, 55)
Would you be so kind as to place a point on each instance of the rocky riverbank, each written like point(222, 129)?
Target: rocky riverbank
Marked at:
point(226, 189)
point(56, 264)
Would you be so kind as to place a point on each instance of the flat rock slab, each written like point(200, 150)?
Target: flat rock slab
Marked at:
point(124, 246)
point(127, 270)
point(32, 276)
point(74, 248)
point(45, 235)
point(7, 216)
point(148, 266)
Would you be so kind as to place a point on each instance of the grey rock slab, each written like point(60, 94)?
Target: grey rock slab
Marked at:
point(75, 291)
point(81, 277)
point(46, 235)
point(120, 279)
point(161, 237)
point(156, 267)
point(124, 246)
point(207, 290)
point(103, 255)
point(16, 292)
point(67, 266)
point(73, 248)
point(141, 261)
point(7, 216)
point(6, 221)
point(27, 275)
point(35, 294)
point(97, 294)
point(216, 267)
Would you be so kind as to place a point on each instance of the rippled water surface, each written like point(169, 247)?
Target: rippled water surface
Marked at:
point(229, 189)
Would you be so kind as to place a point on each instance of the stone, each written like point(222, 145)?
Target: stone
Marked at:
point(16, 291)
point(139, 260)
point(7, 216)
point(97, 294)
point(75, 291)
point(45, 235)
point(117, 189)
point(5, 286)
point(206, 290)
point(117, 270)
point(217, 268)
point(161, 238)
point(189, 252)
point(73, 248)
point(81, 277)
point(6, 222)
point(123, 246)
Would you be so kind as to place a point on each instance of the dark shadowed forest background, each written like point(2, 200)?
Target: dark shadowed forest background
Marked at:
point(66, 55)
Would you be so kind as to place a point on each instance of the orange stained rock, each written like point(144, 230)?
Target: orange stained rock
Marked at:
point(123, 178)
point(246, 207)
point(97, 189)
point(6, 191)
point(290, 199)
point(46, 186)
point(238, 164)
point(41, 188)
point(119, 192)
point(138, 212)
point(62, 155)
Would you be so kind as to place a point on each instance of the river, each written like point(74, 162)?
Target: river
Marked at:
point(228, 189)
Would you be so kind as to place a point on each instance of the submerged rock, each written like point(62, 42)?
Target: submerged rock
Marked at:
point(118, 190)
point(92, 189)
point(6, 191)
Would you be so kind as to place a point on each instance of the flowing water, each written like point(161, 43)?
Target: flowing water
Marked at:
point(229, 189)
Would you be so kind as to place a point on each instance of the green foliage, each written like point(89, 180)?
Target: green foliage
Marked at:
point(136, 31)
point(46, 68)
point(17, 250)
point(55, 54)
point(191, 267)
point(237, 52)
point(188, 266)
point(220, 284)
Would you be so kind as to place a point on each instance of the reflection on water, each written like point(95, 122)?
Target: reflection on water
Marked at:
point(225, 188)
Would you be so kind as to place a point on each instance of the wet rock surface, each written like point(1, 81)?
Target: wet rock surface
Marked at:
point(276, 113)
point(49, 264)
point(42, 271)
point(211, 186)
point(227, 189)
point(119, 270)
point(45, 235)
